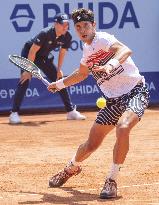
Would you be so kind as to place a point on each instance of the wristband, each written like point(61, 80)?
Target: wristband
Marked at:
point(60, 85)
point(114, 62)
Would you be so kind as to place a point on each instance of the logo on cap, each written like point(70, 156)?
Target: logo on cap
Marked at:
point(64, 17)
point(61, 18)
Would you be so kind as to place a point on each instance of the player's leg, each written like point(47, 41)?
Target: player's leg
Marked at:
point(136, 103)
point(104, 123)
point(19, 95)
point(72, 113)
point(96, 136)
point(17, 101)
point(121, 147)
point(50, 71)
point(124, 126)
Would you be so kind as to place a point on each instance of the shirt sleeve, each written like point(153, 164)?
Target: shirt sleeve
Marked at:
point(83, 61)
point(39, 39)
point(67, 42)
point(107, 41)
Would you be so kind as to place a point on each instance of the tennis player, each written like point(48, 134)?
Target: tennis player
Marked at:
point(124, 88)
point(39, 50)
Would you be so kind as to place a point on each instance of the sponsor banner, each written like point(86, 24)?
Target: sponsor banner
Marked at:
point(84, 94)
point(152, 82)
point(127, 20)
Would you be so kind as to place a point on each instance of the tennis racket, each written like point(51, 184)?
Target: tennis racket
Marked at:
point(29, 66)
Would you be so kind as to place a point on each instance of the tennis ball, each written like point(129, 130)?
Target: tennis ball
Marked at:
point(101, 102)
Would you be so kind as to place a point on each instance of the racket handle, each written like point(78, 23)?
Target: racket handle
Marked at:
point(45, 81)
point(47, 84)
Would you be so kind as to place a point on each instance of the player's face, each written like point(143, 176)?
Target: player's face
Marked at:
point(62, 28)
point(85, 31)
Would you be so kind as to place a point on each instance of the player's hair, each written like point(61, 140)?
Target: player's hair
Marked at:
point(82, 14)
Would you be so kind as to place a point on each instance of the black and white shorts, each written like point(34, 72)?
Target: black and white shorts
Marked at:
point(136, 100)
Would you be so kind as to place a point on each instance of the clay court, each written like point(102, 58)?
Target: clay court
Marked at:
point(30, 153)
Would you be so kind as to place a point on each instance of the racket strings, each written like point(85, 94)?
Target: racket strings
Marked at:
point(29, 67)
point(26, 65)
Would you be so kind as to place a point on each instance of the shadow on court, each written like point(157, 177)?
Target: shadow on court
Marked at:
point(77, 198)
point(34, 123)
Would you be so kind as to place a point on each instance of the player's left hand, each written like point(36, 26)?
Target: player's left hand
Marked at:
point(106, 68)
point(59, 74)
point(52, 87)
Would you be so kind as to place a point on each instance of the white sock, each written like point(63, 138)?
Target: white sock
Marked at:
point(73, 162)
point(114, 171)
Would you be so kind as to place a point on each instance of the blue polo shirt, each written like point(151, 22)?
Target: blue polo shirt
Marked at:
point(48, 41)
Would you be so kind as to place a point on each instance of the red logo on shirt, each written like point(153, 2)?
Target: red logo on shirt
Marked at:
point(99, 58)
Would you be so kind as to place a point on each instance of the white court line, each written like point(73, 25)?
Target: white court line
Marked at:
point(92, 189)
point(57, 192)
point(22, 194)
point(82, 190)
point(34, 194)
point(138, 185)
point(134, 185)
point(147, 201)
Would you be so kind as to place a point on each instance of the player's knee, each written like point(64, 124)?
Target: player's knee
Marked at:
point(123, 128)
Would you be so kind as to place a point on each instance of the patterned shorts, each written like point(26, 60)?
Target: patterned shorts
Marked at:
point(136, 100)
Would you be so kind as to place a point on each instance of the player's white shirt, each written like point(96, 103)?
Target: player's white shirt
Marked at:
point(123, 78)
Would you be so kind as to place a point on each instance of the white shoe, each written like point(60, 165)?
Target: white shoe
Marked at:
point(14, 118)
point(75, 115)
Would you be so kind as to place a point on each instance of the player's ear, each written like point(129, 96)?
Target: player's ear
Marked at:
point(55, 24)
point(94, 24)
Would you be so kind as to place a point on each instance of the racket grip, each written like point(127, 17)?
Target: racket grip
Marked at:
point(47, 84)
point(45, 81)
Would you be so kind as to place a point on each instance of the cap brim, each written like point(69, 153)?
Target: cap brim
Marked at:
point(63, 21)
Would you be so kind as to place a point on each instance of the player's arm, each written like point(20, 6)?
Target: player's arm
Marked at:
point(77, 76)
point(32, 52)
point(62, 53)
point(121, 51)
point(31, 56)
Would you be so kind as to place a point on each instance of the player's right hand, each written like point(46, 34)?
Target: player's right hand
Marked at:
point(106, 68)
point(52, 87)
point(25, 76)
